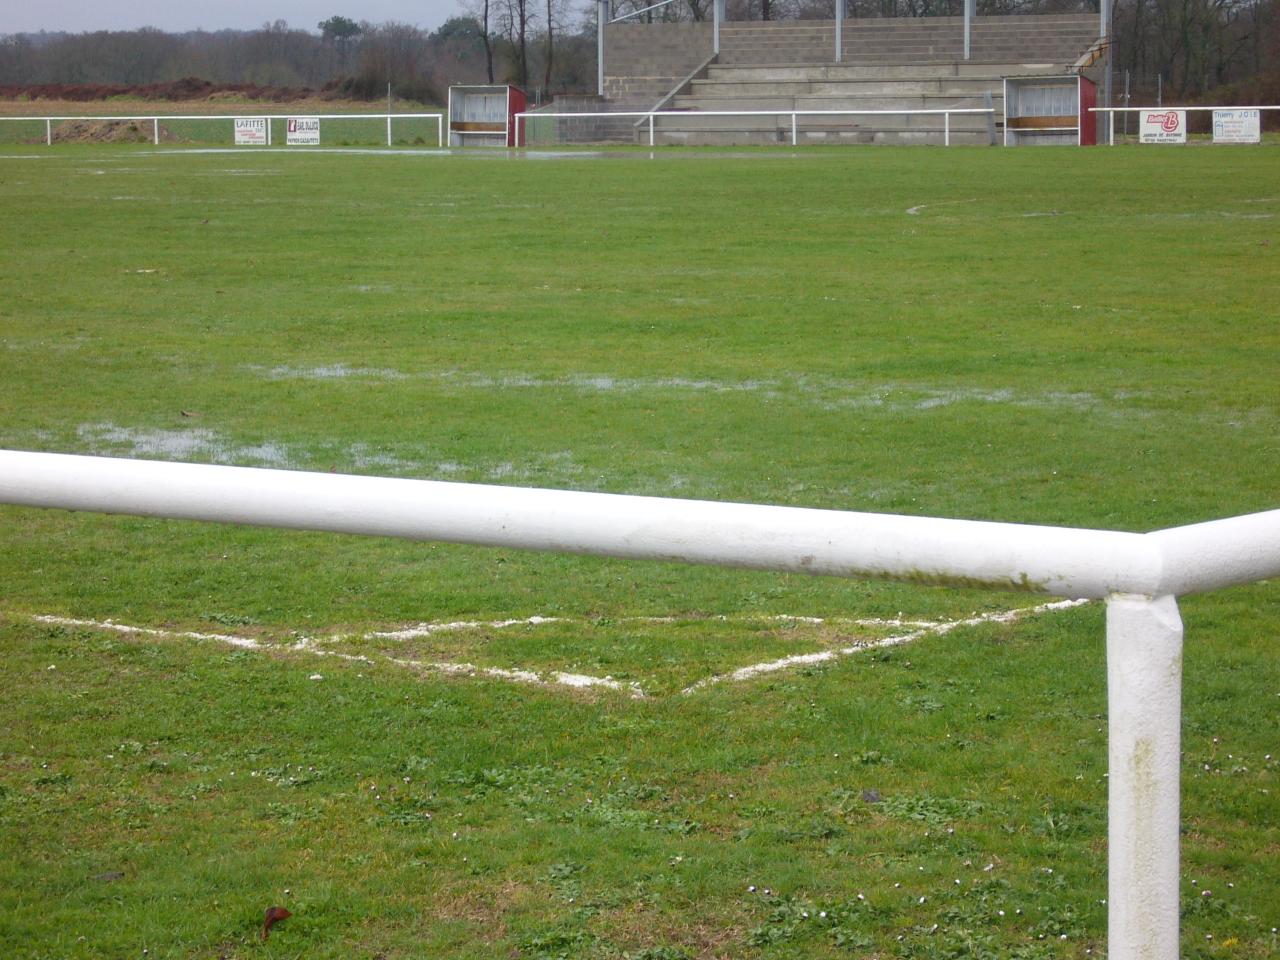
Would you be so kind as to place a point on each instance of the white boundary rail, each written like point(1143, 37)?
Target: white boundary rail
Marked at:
point(156, 119)
point(1112, 111)
point(1138, 575)
point(945, 113)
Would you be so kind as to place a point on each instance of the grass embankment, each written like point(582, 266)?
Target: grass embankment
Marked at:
point(1065, 337)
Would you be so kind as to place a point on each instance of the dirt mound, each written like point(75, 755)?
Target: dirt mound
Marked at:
point(186, 89)
point(109, 131)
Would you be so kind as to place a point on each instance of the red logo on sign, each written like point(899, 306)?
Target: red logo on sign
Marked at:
point(1169, 120)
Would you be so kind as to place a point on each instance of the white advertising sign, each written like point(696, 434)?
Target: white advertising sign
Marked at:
point(251, 131)
point(1163, 126)
point(302, 132)
point(1237, 126)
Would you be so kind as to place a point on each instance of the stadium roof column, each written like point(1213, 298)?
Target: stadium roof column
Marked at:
point(602, 18)
point(717, 15)
point(968, 24)
point(841, 13)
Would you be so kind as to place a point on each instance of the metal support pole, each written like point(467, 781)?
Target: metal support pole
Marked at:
point(717, 14)
point(1104, 18)
point(1107, 85)
point(48, 133)
point(794, 139)
point(1111, 118)
point(602, 18)
point(969, 6)
point(155, 130)
point(388, 129)
point(946, 129)
point(840, 15)
point(651, 129)
point(1144, 700)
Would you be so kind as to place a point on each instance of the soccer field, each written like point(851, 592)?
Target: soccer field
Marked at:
point(434, 750)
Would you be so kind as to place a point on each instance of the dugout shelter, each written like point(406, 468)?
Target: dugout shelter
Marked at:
point(484, 115)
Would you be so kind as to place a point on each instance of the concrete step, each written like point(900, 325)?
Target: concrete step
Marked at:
point(928, 122)
point(732, 73)
point(870, 102)
point(935, 86)
point(853, 135)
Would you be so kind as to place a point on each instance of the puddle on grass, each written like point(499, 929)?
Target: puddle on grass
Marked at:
point(666, 153)
point(194, 443)
point(202, 445)
point(331, 371)
point(824, 393)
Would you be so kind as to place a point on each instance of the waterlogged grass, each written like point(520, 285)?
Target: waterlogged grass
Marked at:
point(1063, 337)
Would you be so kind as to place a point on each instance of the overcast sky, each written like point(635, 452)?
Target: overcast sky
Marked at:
point(77, 16)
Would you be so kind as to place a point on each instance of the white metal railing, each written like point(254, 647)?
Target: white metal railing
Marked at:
point(155, 120)
point(1138, 575)
point(636, 13)
point(945, 112)
point(1112, 111)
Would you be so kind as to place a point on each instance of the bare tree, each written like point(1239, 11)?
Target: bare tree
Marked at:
point(546, 76)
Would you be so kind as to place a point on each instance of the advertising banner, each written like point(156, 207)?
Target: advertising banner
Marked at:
point(302, 132)
point(251, 131)
point(1163, 126)
point(1237, 126)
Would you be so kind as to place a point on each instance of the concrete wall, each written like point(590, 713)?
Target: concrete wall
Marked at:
point(643, 61)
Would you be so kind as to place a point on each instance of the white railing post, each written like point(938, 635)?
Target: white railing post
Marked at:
point(946, 129)
point(155, 130)
point(651, 129)
point(1144, 702)
point(794, 140)
point(48, 132)
point(388, 129)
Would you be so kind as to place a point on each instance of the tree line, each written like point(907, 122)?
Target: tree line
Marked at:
point(341, 55)
point(1189, 48)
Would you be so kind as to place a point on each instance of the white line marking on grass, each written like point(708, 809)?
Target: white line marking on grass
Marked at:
point(915, 211)
point(420, 630)
point(427, 629)
point(247, 642)
point(823, 656)
point(556, 678)
point(308, 645)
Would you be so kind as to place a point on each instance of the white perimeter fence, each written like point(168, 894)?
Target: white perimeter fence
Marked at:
point(1138, 575)
point(158, 119)
point(522, 119)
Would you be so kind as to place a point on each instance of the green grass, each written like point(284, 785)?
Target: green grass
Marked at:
point(1080, 337)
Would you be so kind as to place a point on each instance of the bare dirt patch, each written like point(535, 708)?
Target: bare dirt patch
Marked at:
point(110, 131)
